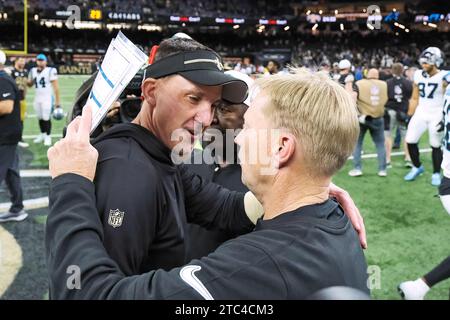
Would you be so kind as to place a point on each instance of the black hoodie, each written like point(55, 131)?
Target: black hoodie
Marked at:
point(145, 201)
point(291, 256)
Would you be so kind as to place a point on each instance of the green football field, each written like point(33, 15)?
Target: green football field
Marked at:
point(408, 230)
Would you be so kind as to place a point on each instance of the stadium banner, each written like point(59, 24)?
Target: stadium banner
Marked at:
point(224, 20)
point(182, 19)
point(64, 14)
point(123, 16)
point(77, 69)
point(434, 17)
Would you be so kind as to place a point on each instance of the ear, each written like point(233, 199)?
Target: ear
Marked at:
point(286, 149)
point(148, 91)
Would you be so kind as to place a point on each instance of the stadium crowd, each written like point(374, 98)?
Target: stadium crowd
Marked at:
point(205, 8)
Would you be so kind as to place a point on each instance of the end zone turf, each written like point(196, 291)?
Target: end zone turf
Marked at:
point(10, 259)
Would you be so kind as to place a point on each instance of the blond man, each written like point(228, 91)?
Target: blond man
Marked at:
point(305, 126)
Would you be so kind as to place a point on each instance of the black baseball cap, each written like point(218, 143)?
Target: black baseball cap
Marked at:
point(203, 67)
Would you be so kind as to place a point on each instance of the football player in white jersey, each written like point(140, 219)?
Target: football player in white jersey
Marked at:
point(426, 107)
point(45, 81)
point(417, 289)
point(444, 189)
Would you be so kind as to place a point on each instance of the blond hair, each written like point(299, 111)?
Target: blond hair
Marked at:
point(319, 112)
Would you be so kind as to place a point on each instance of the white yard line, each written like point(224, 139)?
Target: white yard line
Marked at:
point(32, 136)
point(398, 153)
point(29, 204)
point(35, 173)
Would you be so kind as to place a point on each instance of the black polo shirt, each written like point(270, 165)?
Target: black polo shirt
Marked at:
point(10, 125)
point(204, 241)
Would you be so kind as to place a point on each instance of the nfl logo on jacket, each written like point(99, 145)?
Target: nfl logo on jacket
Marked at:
point(115, 218)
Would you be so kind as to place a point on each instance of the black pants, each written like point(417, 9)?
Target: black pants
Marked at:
point(439, 273)
point(9, 171)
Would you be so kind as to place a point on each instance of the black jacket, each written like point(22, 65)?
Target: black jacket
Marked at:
point(206, 241)
point(145, 201)
point(288, 257)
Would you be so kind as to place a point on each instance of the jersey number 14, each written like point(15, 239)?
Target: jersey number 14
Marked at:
point(41, 82)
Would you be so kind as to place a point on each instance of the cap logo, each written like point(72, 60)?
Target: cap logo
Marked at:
point(215, 61)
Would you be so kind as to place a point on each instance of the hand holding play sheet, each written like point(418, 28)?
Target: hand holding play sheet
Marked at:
point(120, 64)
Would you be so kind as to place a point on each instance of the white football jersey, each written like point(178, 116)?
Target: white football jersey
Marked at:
point(446, 155)
point(42, 80)
point(431, 91)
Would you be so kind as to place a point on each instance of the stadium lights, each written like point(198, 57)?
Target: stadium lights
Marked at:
point(36, 17)
point(261, 28)
point(315, 26)
point(87, 25)
point(149, 27)
point(5, 16)
point(118, 26)
point(236, 26)
point(49, 23)
point(342, 27)
point(399, 25)
point(286, 28)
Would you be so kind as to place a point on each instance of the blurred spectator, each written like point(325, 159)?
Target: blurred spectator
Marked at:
point(10, 135)
point(245, 66)
point(372, 96)
point(272, 67)
point(399, 93)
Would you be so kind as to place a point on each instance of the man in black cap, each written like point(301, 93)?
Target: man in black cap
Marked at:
point(10, 135)
point(217, 161)
point(144, 199)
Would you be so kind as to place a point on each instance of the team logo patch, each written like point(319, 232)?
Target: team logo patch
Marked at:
point(115, 218)
point(219, 64)
point(374, 90)
point(187, 274)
